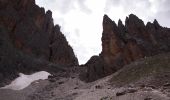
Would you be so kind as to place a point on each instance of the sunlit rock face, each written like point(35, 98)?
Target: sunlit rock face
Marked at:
point(29, 40)
point(123, 44)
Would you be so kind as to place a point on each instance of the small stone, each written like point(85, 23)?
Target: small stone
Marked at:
point(60, 82)
point(51, 76)
point(74, 93)
point(120, 93)
point(76, 88)
point(98, 87)
point(131, 90)
point(151, 86)
point(52, 80)
point(148, 98)
point(167, 84)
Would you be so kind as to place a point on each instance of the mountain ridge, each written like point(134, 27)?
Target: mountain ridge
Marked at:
point(123, 44)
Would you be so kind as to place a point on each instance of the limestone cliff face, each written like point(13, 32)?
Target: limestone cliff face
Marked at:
point(27, 30)
point(123, 44)
point(111, 43)
point(32, 31)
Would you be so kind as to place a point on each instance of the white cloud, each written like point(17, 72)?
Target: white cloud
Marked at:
point(81, 20)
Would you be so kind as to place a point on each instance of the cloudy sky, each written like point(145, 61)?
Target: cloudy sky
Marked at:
point(81, 20)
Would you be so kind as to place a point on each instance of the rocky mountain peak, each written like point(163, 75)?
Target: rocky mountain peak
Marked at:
point(124, 44)
point(108, 24)
point(121, 28)
point(110, 34)
point(120, 23)
point(133, 22)
point(106, 20)
point(156, 24)
point(49, 13)
point(30, 39)
point(132, 19)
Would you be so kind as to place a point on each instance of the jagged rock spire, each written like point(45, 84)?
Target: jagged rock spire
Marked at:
point(156, 24)
point(108, 24)
point(136, 42)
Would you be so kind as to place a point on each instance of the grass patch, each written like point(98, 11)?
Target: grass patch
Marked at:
point(142, 68)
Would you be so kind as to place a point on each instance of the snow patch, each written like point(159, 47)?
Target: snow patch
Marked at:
point(24, 81)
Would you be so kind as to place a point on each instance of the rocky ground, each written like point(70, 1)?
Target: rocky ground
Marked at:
point(73, 89)
point(68, 86)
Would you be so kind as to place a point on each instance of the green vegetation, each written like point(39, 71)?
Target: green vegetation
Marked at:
point(145, 67)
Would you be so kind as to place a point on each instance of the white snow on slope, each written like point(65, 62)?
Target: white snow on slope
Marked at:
point(25, 80)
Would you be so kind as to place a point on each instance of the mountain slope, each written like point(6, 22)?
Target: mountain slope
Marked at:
point(153, 71)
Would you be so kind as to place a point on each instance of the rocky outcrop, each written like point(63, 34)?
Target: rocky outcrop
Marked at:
point(27, 30)
point(32, 31)
point(95, 69)
point(123, 44)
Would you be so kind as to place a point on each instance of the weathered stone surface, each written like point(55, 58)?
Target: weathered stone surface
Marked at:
point(111, 44)
point(61, 52)
point(95, 68)
point(123, 44)
point(30, 31)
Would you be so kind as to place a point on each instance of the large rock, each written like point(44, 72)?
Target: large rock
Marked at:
point(95, 69)
point(27, 31)
point(123, 44)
